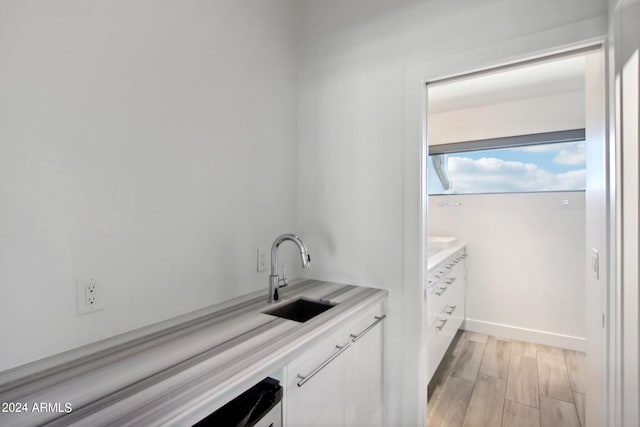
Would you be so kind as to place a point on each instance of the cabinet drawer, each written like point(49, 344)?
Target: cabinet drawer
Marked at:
point(437, 344)
point(440, 296)
point(445, 311)
point(439, 337)
point(456, 305)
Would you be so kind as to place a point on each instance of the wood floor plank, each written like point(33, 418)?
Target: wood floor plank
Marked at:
point(521, 348)
point(557, 413)
point(496, 358)
point(450, 406)
point(549, 349)
point(487, 402)
point(519, 415)
point(468, 364)
point(553, 379)
point(522, 384)
point(578, 398)
point(575, 363)
point(476, 336)
point(538, 386)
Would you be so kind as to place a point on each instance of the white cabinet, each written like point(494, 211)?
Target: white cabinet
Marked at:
point(445, 294)
point(363, 375)
point(338, 381)
point(314, 393)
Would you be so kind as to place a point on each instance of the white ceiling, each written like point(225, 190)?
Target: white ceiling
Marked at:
point(541, 79)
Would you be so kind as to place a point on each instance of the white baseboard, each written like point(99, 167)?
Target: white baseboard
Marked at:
point(523, 334)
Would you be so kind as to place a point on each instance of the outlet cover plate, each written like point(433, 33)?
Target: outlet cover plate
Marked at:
point(89, 296)
point(262, 259)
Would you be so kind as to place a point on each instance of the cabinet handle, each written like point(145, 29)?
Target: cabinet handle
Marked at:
point(441, 291)
point(452, 309)
point(441, 325)
point(305, 378)
point(379, 319)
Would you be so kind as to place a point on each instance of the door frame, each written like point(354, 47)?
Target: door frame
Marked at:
point(624, 99)
point(555, 41)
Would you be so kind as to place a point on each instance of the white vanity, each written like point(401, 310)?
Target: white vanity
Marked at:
point(445, 294)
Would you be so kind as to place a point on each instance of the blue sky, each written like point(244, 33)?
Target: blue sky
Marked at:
point(548, 167)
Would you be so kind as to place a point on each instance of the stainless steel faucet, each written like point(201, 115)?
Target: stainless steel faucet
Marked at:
point(274, 280)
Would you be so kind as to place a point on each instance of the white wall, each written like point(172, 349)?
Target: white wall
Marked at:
point(525, 264)
point(562, 111)
point(149, 144)
point(351, 129)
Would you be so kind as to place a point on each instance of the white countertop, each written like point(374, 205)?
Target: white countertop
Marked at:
point(177, 374)
point(437, 256)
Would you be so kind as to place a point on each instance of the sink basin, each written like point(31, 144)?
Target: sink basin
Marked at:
point(300, 310)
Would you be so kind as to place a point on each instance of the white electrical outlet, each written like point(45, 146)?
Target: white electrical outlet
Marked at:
point(89, 296)
point(262, 259)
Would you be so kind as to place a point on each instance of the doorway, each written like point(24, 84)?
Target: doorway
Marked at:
point(520, 177)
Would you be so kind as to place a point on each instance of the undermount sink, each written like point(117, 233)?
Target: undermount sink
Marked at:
point(301, 309)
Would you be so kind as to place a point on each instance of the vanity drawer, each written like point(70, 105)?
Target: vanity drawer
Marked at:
point(445, 311)
point(439, 335)
point(441, 295)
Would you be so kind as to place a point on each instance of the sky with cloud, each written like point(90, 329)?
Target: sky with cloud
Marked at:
point(548, 167)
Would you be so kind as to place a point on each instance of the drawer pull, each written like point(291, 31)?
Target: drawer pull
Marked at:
point(305, 378)
point(442, 323)
point(379, 319)
point(442, 290)
point(452, 308)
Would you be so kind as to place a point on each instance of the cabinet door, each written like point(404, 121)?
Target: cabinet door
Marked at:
point(319, 401)
point(363, 380)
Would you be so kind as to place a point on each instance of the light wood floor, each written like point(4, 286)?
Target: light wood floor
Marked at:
point(486, 381)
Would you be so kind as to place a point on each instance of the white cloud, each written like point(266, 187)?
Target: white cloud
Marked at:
point(542, 148)
point(571, 154)
point(568, 153)
point(489, 175)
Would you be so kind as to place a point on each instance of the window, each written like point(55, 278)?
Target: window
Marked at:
point(558, 166)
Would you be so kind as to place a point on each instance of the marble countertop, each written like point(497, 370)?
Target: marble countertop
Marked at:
point(180, 371)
